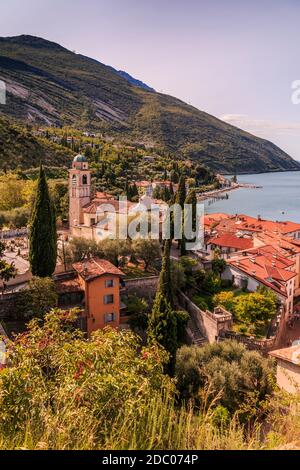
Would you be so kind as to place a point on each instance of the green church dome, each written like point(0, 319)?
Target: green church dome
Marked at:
point(79, 159)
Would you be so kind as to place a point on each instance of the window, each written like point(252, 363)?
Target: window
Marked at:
point(110, 317)
point(74, 181)
point(109, 299)
point(84, 179)
point(109, 283)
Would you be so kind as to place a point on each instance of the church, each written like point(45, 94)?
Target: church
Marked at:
point(89, 214)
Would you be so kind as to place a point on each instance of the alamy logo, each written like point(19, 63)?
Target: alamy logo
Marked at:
point(296, 93)
point(2, 92)
point(152, 221)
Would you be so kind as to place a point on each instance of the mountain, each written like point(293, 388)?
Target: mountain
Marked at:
point(19, 148)
point(51, 85)
point(133, 80)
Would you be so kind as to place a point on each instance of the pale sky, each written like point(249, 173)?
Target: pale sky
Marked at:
point(235, 59)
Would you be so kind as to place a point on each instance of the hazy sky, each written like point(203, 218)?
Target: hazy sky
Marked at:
point(235, 59)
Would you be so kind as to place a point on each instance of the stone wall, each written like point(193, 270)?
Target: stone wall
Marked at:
point(252, 344)
point(145, 287)
point(217, 326)
point(21, 232)
point(211, 324)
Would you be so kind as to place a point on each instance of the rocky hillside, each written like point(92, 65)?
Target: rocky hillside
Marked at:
point(48, 84)
point(19, 148)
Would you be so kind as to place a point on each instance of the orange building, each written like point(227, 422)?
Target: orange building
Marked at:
point(101, 282)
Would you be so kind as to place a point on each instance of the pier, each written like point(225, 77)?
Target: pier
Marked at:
point(219, 193)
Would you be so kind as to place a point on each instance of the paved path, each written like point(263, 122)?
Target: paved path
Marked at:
point(21, 264)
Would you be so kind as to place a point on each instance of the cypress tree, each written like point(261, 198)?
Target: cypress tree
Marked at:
point(164, 283)
point(163, 323)
point(181, 193)
point(166, 325)
point(135, 191)
point(126, 188)
point(163, 328)
point(192, 199)
point(166, 194)
point(180, 199)
point(182, 243)
point(43, 237)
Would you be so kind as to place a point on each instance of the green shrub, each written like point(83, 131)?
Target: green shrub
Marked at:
point(234, 376)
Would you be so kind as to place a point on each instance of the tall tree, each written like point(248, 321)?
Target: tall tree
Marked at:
point(164, 283)
point(191, 199)
point(180, 199)
point(162, 327)
point(166, 194)
point(43, 237)
point(166, 325)
point(181, 193)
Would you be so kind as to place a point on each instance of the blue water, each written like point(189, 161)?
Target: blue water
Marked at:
point(279, 199)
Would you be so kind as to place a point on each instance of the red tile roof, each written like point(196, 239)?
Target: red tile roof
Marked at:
point(246, 223)
point(210, 219)
point(266, 266)
point(113, 205)
point(92, 268)
point(285, 245)
point(103, 195)
point(230, 240)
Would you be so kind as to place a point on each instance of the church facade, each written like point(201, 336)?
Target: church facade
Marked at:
point(90, 216)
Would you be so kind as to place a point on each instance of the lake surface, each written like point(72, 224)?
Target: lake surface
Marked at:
point(278, 199)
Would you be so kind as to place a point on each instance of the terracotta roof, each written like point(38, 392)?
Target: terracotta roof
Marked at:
point(103, 195)
point(251, 224)
point(266, 266)
point(210, 219)
point(285, 245)
point(273, 255)
point(268, 225)
point(112, 205)
point(230, 240)
point(291, 354)
point(92, 268)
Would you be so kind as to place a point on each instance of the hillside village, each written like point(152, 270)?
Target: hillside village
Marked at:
point(115, 282)
point(216, 326)
point(149, 231)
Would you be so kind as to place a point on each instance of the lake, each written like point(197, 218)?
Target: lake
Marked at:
point(278, 199)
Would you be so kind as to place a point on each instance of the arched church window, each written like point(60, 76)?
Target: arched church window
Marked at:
point(84, 179)
point(74, 180)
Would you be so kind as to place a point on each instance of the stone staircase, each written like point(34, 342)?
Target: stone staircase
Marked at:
point(197, 337)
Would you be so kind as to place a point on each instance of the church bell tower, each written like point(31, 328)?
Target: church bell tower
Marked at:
point(79, 189)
